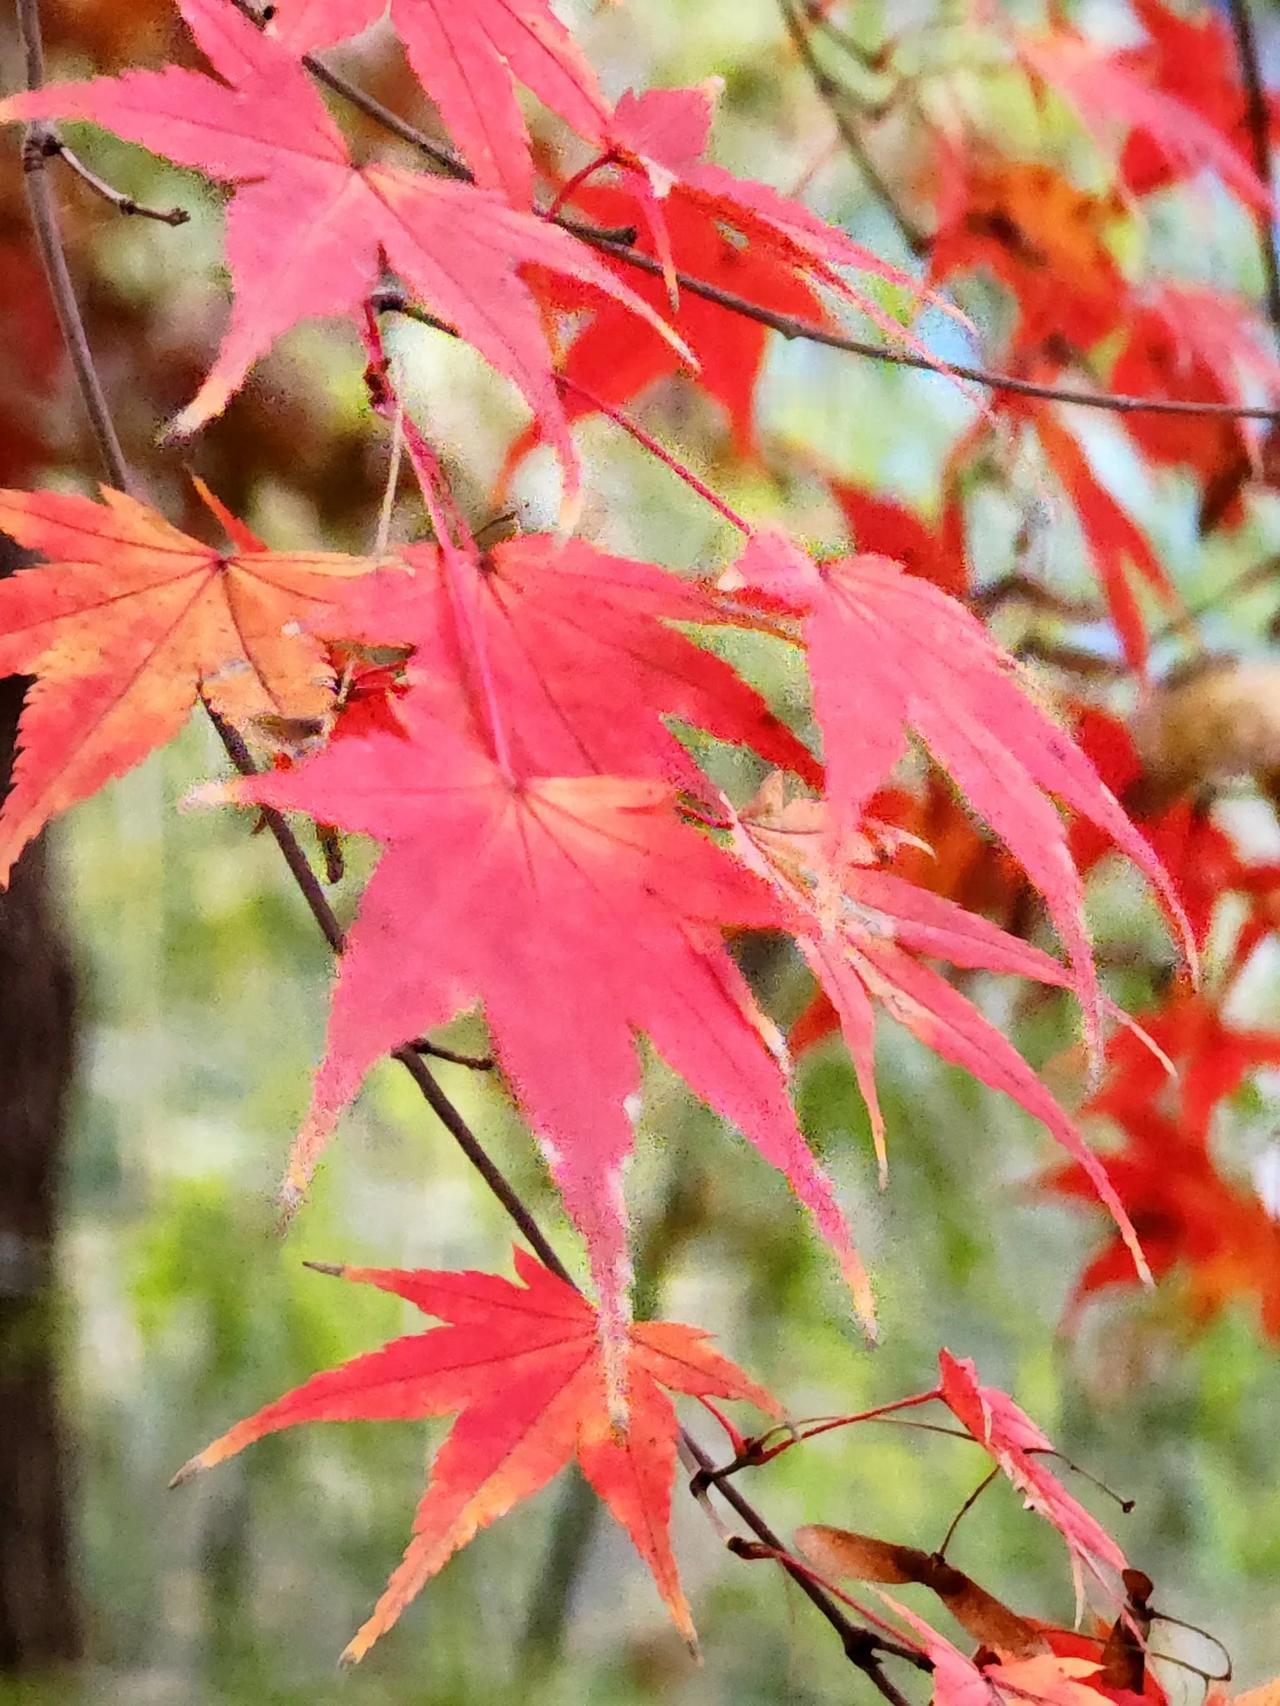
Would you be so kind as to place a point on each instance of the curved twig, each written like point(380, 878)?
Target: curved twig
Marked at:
point(1259, 122)
point(53, 147)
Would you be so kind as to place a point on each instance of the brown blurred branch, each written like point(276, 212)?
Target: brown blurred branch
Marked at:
point(48, 234)
point(1259, 122)
point(833, 97)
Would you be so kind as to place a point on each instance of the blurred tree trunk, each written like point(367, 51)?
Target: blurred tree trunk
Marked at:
point(39, 1615)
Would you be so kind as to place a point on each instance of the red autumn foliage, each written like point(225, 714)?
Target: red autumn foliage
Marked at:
point(524, 730)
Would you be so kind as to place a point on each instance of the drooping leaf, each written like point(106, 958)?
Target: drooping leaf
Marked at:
point(581, 911)
point(1115, 542)
point(466, 57)
point(307, 231)
point(127, 624)
point(864, 931)
point(888, 653)
point(522, 1367)
point(1018, 1447)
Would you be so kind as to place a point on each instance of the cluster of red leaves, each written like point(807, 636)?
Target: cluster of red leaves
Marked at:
point(550, 850)
point(1167, 112)
point(1214, 1233)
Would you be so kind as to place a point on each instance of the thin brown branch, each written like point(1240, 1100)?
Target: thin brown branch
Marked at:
point(53, 147)
point(437, 1051)
point(447, 161)
point(833, 97)
point(1259, 122)
point(48, 235)
point(792, 326)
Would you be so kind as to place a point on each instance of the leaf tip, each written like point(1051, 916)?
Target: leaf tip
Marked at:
point(206, 795)
point(288, 1201)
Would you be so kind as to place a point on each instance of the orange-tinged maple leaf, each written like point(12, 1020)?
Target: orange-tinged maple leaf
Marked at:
point(1044, 240)
point(581, 911)
point(1119, 1650)
point(961, 1681)
point(128, 624)
point(309, 234)
point(1215, 1235)
point(1214, 1232)
point(522, 1366)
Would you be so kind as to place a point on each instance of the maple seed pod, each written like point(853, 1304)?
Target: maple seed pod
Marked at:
point(1206, 728)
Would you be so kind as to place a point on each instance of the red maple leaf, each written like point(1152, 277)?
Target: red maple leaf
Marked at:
point(309, 234)
point(1019, 1448)
point(1203, 346)
point(522, 1366)
point(581, 910)
point(1181, 103)
point(615, 358)
point(466, 58)
point(1115, 542)
point(538, 627)
point(128, 624)
point(657, 140)
point(885, 528)
point(1193, 63)
point(888, 653)
point(865, 933)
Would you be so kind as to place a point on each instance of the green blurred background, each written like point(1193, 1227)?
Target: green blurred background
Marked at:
point(202, 999)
